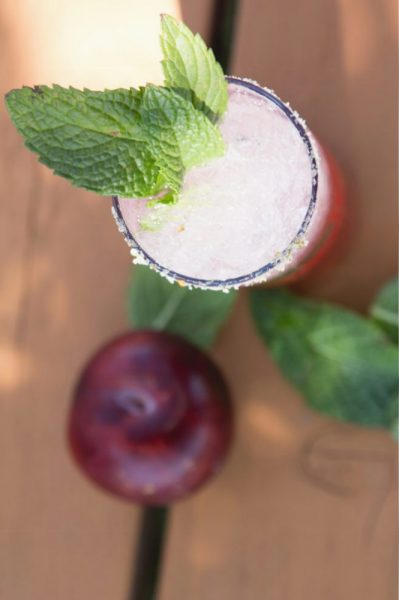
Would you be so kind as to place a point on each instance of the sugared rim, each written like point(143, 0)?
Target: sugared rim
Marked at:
point(283, 257)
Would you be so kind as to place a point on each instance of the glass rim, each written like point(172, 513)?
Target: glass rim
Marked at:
point(297, 240)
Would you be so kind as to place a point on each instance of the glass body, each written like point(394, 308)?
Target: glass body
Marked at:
point(314, 236)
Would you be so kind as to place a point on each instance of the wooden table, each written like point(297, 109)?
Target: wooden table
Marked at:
point(305, 508)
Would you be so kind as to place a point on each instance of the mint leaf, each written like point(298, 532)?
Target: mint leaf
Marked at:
point(342, 363)
point(394, 429)
point(196, 315)
point(94, 139)
point(189, 65)
point(385, 309)
point(179, 135)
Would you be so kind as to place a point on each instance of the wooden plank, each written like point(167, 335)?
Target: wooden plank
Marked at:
point(64, 268)
point(306, 508)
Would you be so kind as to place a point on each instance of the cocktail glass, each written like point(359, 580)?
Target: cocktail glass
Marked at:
point(309, 239)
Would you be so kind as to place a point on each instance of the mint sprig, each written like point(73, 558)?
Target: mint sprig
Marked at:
point(341, 362)
point(189, 65)
point(196, 315)
point(127, 142)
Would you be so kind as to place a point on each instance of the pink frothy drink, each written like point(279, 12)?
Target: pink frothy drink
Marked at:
point(252, 215)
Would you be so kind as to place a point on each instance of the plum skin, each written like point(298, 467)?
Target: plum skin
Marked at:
point(151, 419)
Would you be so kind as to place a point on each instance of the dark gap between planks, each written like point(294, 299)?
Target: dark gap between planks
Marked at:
point(148, 553)
point(222, 31)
